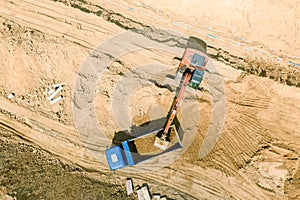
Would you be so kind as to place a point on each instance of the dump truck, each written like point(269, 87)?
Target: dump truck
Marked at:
point(137, 150)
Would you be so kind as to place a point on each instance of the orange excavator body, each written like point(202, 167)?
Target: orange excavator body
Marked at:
point(192, 61)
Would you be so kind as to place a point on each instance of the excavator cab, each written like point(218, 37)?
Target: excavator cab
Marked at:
point(196, 78)
point(198, 62)
point(195, 61)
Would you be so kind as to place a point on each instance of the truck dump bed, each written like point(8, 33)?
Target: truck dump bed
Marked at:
point(142, 147)
point(136, 150)
point(145, 145)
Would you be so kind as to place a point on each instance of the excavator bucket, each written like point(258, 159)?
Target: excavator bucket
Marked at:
point(161, 144)
point(165, 140)
point(162, 140)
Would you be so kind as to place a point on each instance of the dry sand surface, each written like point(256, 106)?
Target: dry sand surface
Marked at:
point(45, 155)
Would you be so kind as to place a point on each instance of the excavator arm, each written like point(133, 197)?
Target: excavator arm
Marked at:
point(162, 141)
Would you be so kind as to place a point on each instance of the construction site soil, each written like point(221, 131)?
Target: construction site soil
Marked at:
point(28, 172)
point(43, 155)
point(145, 145)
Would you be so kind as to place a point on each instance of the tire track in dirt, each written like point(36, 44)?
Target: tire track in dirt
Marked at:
point(50, 18)
point(197, 182)
point(57, 138)
point(242, 137)
point(285, 74)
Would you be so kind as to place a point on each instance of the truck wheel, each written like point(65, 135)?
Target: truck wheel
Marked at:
point(196, 43)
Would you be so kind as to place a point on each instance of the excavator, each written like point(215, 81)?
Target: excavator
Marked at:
point(191, 70)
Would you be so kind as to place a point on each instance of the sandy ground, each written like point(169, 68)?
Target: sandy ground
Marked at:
point(256, 155)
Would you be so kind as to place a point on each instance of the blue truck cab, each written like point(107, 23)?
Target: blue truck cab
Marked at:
point(119, 156)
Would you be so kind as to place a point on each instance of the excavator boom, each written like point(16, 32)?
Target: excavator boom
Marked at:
point(186, 80)
point(162, 141)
